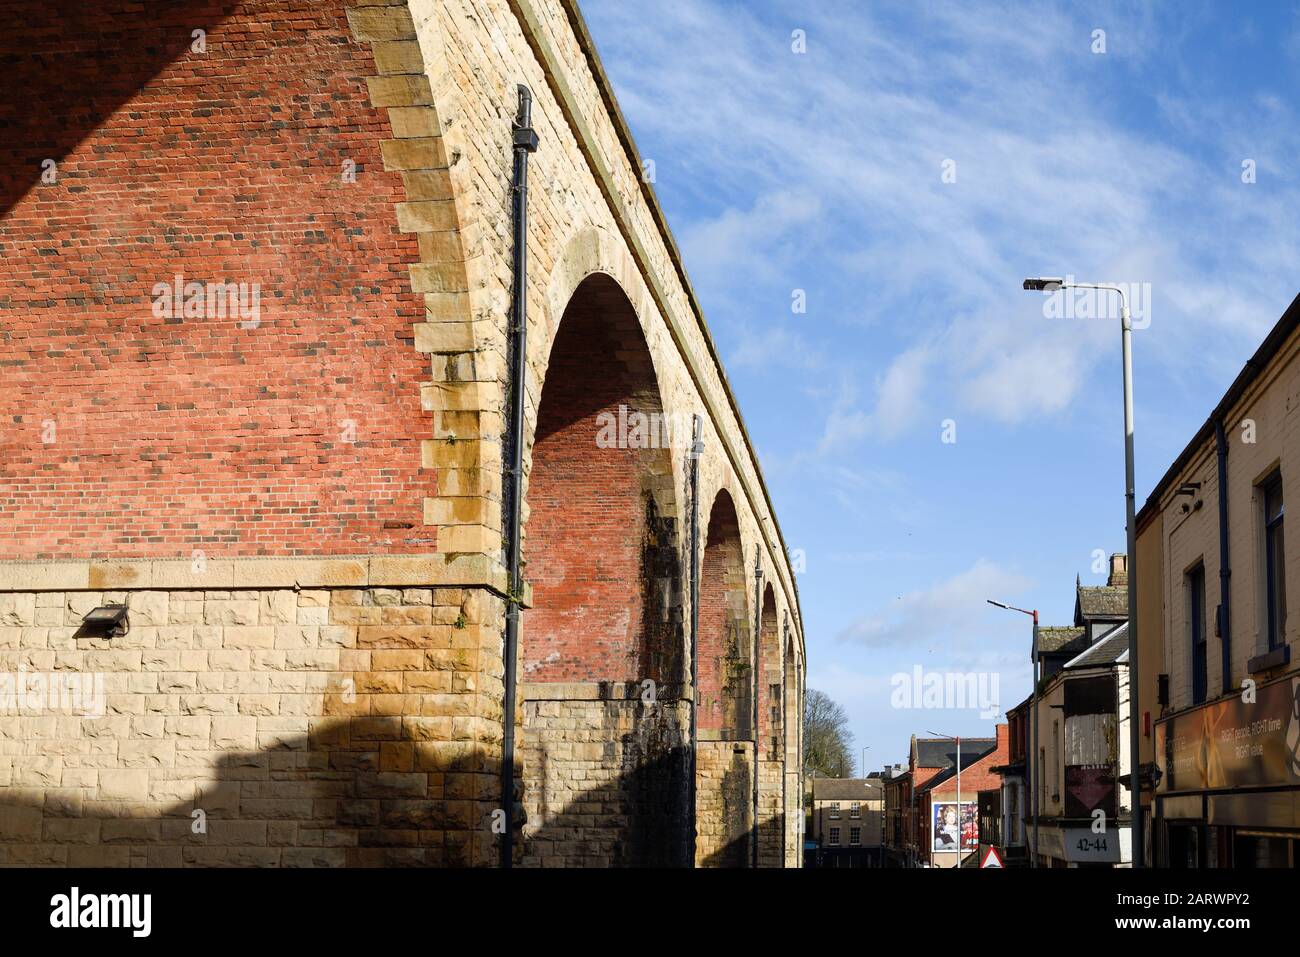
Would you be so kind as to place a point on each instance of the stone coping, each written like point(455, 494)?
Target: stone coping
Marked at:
point(366, 571)
point(716, 735)
point(599, 691)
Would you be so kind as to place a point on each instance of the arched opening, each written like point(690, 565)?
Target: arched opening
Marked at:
point(724, 652)
point(771, 718)
point(724, 761)
point(793, 705)
point(602, 644)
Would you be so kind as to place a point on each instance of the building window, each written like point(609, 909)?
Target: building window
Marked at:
point(835, 810)
point(1274, 562)
point(835, 837)
point(855, 809)
point(855, 836)
point(1056, 761)
point(1196, 630)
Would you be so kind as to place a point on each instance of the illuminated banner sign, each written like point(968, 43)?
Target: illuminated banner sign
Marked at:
point(1233, 743)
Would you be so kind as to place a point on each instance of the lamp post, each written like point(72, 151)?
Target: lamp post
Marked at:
point(1051, 284)
point(1031, 763)
point(961, 835)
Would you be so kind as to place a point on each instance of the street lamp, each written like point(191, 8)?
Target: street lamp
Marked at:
point(961, 836)
point(1031, 764)
point(1052, 284)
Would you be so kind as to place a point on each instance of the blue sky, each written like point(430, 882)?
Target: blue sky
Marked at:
point(823, 171)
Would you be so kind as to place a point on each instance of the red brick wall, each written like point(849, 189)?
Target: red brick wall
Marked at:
point(724, 627)
point(130, 435)
point(974, 778)
point(770, 671)
point(587, 524)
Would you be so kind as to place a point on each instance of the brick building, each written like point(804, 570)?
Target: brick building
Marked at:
point(257, 387)
point(1218, 681)
point(939, 815)
point(848, 821)
point(1084, 817)
point(1005, 826)
point(929, 788)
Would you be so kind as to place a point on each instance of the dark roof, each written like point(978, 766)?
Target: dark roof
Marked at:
point(1271, 346)
point(942, 752)
point(1105, 650)
point(1101, 601)
point(980, 748)
point(845, 789)
point(1069, 640)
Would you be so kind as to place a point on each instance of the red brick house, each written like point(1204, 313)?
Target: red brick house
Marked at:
point(931, 788)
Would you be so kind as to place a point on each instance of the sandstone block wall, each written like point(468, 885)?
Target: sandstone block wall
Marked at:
point(724, 810)
point(609, 777)
point(321, 727)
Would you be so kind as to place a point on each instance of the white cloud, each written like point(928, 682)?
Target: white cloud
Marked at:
point(835, 157)
point(945, 611)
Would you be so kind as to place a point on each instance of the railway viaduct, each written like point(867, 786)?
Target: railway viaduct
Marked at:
point(257, 359)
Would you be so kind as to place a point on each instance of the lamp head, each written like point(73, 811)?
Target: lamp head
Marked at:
point(1044, 284)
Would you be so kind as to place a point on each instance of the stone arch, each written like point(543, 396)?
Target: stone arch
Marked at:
point(771, 766)
point(463, 392)
point(601, 534)
point(770, 683)
point(591, 251)
point(725, 746)
point(793, 758)
point(725, 679)
point(602, 643)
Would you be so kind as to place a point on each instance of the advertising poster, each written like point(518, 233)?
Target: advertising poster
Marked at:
point(1233, 742)
point(948, 823)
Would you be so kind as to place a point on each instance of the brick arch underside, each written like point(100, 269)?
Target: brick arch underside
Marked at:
point(726, 705)
point(771, 692)
point(724, 772)
point(790, 742)
point(604, 763)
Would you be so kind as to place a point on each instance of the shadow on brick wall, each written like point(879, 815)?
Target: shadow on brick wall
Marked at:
point(638, 819)
point(356, 792)
point(68, 65)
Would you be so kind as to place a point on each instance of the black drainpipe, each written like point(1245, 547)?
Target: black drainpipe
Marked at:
point(758, 637)
point(525, 142)
point(697, 448)
point(1225, 569)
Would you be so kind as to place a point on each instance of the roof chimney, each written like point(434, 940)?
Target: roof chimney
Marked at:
point(1118, 569)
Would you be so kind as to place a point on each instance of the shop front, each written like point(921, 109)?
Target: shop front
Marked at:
point(1229, 788)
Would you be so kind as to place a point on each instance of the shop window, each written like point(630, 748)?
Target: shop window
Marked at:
point(1263, 851)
